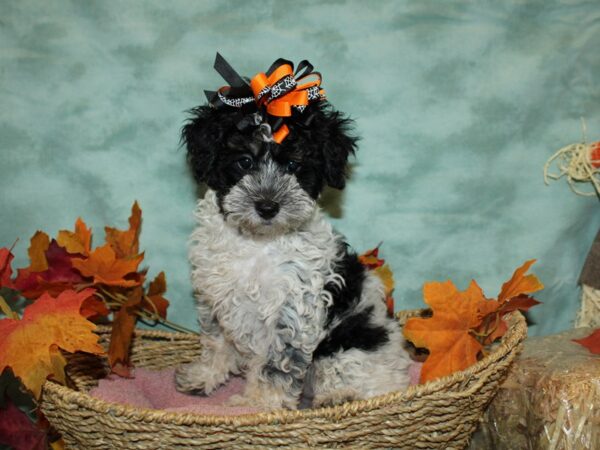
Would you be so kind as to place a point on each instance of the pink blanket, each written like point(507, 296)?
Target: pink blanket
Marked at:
point(156, 390)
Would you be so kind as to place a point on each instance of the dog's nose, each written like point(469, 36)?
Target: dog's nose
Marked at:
point(267, 209)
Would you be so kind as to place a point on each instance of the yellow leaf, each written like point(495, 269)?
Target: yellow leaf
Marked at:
point(387, 277)
point(37, 252)
point(58, 445)
point(78, 241)
point(31, 346)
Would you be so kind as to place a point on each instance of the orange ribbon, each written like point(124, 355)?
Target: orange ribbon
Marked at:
point(266, 88)
point(281, 133)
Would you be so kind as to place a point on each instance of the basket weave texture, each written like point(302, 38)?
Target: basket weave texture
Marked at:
point(437, 415)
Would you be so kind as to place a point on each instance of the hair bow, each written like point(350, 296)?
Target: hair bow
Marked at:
point(276, 92)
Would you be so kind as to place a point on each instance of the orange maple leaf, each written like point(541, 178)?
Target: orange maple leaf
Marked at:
point(93, 308)
point(78, 241)
point(371, 258)
point(154, 300)
point(447, 334)
point(126, 317)
point(512, 297)
point(32, 346)
point(463, 322)
point(122, 331)
point(106, 268)
point(126, 243)
point(520, 283)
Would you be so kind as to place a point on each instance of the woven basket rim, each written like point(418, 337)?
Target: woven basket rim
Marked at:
point(515, 334)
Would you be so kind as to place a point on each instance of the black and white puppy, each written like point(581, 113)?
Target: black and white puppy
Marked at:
point(281, 299)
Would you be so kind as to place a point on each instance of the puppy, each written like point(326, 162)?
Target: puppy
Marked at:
point(281, 297)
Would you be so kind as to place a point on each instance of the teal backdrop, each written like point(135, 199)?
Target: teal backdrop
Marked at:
point(459, 104)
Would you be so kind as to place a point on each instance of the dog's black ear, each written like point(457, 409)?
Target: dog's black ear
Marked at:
point(202, 136)
point(339, 144)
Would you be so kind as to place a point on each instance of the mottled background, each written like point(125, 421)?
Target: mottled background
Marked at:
point(459, 105)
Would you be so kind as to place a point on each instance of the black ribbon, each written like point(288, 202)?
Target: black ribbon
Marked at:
point(238, 87)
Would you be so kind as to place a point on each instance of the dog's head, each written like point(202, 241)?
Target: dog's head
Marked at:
point(266, 188)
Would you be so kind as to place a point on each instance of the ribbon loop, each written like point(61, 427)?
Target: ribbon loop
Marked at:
point(303, 66)
point(228, 73)
point(278, 91)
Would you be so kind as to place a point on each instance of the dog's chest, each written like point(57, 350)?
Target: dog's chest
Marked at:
point(257, 288)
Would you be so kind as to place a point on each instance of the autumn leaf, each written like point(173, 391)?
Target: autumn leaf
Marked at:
point(463, 322)
point(512, 297)
point(520, 283)
point(122, 331)
point(447, 333)
point(126, 243)
point(32, 346)
point(51, 268)
point(37, 252)
point(60, 267)
point(19, 432)
point(93, 308)
point(6, 258)
point(387, 277)
point(106, 268)
point(78, 241)
point(68, 262)
point(154, 300)
point(370, 259)
point(6, 281)
point(57, 445)
point(521, 302)
point(58, 276)
point(592, 342)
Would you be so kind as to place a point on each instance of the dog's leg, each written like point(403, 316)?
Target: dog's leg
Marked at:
point(356, 374)
point(276, 383)
point(218, 359)
point(365, 355)
point(275, 378)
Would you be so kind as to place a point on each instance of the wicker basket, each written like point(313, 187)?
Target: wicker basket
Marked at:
point(437, 415)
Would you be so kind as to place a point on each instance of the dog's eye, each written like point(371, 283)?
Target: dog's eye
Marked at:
point(245, 163)
point(292, 167)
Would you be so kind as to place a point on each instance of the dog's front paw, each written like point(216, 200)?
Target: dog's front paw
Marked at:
point(267, 400)
point(263, 404)
point(197, 378)
point(336, 397)
point(240, 400)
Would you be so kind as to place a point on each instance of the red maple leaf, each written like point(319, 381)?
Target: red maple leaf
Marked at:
point(6, 258)
point(59, 275)
point(19, 432)
point(592, 342)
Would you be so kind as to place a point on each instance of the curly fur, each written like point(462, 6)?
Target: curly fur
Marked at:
point(281, 299)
